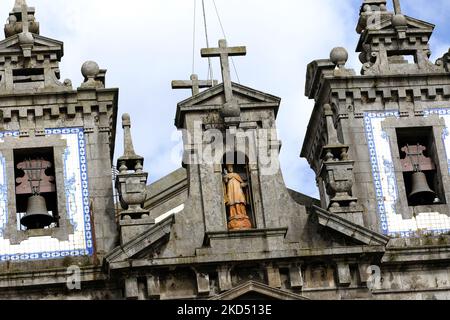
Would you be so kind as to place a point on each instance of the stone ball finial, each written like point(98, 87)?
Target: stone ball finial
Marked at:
point(26, 38)
point(339, 56)
point(126, 120)
point(126, 117)
point(90, 69)
point(399, 20)
point(12, 19)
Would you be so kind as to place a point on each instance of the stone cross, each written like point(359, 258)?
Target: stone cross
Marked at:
point(397, 7)
point(24, 9)
point(224, 52)
point(20, 3)
point(194, 84)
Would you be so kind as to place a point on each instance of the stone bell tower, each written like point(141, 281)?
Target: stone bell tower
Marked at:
point(56, 149)
point(379, 141)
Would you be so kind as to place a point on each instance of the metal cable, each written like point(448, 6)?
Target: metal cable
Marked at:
point(193, 37)
point(210, 70)
point(224, 35)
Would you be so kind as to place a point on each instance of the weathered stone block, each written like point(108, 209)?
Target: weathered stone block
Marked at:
point(131, 289)
point(153, 287)
point(344, 276)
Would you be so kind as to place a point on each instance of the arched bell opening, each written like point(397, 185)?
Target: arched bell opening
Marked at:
point(36, 196)
point(420, 166)
point(238, 193)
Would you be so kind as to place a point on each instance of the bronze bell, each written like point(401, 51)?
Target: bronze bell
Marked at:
point(37, 216)
point(421, 193)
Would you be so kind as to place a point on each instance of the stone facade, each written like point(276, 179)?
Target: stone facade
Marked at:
point(40, 113)
point(400, 100)
point(173, 239)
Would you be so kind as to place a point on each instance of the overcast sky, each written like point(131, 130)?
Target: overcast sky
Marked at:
point(145, 44)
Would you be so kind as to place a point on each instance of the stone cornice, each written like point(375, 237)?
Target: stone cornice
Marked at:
point(297, 253)
point(422, 254)
point(65, 104)
point(49, 277)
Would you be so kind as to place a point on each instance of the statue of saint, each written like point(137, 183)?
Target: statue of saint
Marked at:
point(235, 200)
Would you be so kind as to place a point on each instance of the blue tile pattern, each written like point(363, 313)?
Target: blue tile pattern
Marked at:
point(76, 188)
point(385, 182)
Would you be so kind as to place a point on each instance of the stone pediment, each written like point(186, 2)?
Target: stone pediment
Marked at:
point(142, 243)
point(214, 98)
point(41, 44)
point(258, 290)
point(412, 24)
point(347, 228)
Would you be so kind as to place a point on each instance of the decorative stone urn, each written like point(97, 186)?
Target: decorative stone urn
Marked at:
point(338, 176)
point(132, 187)
point(131, 182)
point(337, 168)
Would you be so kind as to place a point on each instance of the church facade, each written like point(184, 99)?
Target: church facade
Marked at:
point(225, 226)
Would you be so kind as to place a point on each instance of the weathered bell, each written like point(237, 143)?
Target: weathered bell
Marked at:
point(421, 192)
point(37, 216)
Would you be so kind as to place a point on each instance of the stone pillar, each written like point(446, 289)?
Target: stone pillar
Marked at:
point(296, 277)
point(337, 174)
point(131, 288)
point(203, 285)
point(225, 281)
point(344, 276)
point(153, 287)
point(131, 183)
point(273, 276)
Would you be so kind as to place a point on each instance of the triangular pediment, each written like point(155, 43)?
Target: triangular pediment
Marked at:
point(40, 44)
point(342, 226)
point(257, 290)
point(412, 24)
point(142, 243)
point(214, 98)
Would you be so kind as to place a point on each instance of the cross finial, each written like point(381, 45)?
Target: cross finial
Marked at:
point(21, 20)
point(22, 4)
point(194, 84)
point(397, 7)
point(224, 52)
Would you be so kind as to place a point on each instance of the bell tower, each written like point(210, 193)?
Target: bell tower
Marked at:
point(56, 149)
point(391, 125)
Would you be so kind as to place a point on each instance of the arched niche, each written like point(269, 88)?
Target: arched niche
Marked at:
point(238, 191)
